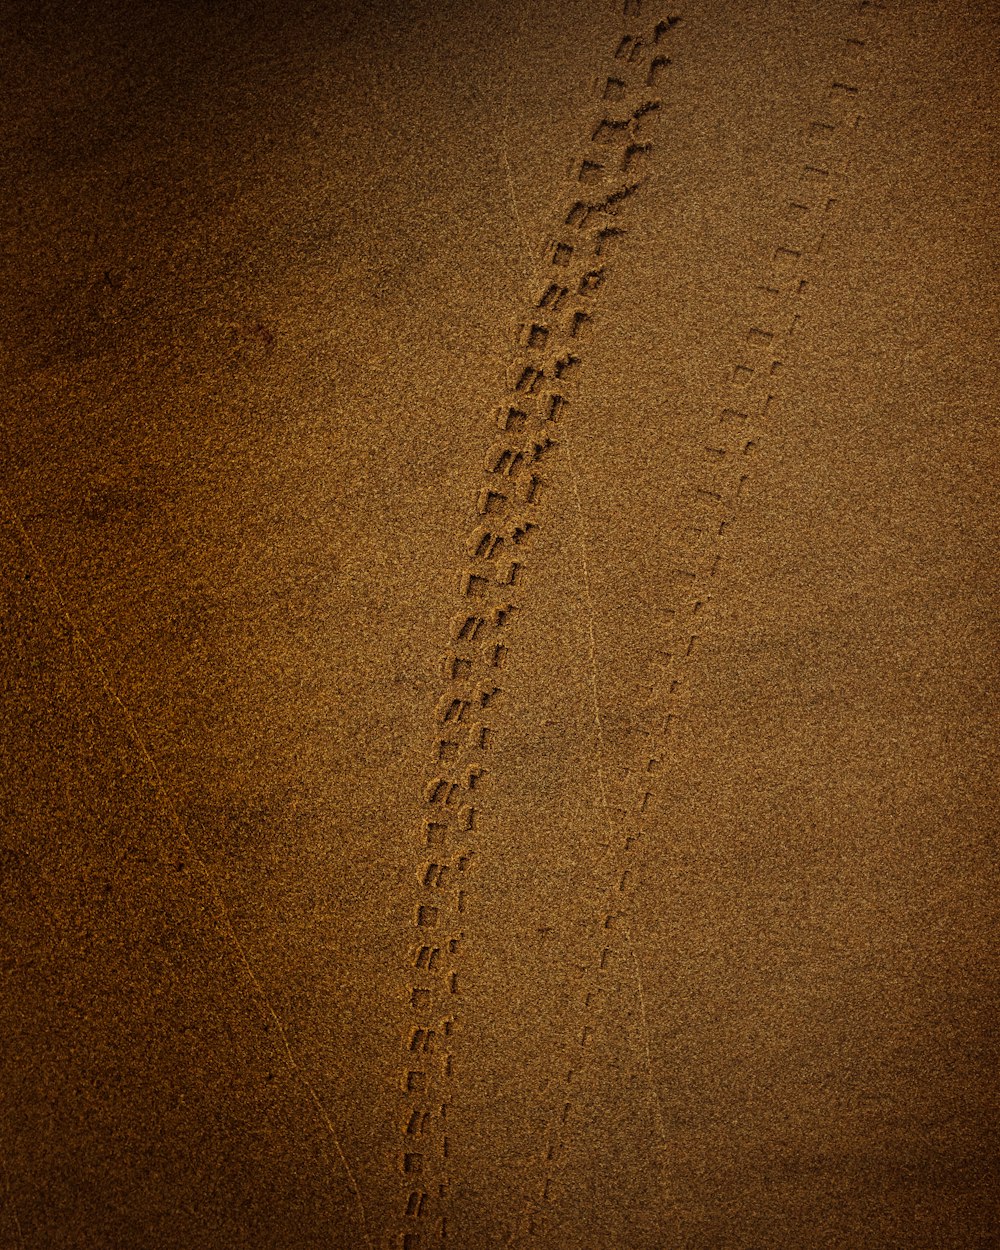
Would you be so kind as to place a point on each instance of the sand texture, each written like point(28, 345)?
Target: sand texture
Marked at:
point(497, 557)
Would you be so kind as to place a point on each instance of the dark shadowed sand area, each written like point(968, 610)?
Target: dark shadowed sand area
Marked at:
point(497, 556)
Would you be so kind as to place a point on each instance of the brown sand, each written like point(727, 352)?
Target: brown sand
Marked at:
point(694, 708)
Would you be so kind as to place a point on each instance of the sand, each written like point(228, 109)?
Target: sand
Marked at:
point(497, 564)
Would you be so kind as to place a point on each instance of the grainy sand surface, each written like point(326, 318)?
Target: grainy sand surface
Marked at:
point(497, 546)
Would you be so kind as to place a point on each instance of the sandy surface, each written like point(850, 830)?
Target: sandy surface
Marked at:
point(418, 833)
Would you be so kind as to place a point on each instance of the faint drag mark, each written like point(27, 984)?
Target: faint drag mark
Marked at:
point(258, 992)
